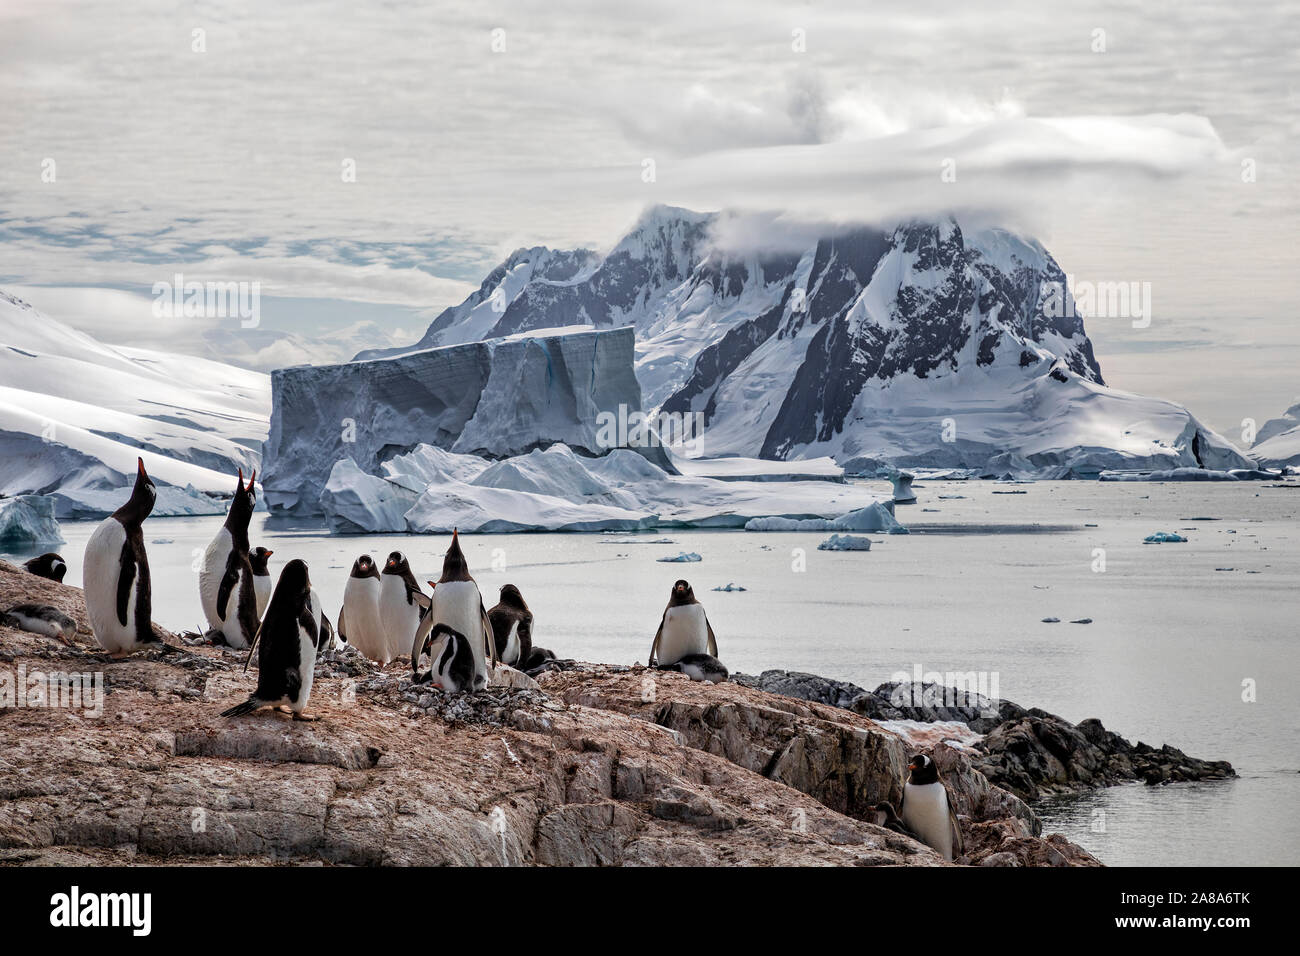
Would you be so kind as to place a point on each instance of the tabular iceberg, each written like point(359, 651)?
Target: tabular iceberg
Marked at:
point(496, 399)
point(28, 520)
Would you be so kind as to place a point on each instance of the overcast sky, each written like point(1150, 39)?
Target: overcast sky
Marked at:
point(1115, 133)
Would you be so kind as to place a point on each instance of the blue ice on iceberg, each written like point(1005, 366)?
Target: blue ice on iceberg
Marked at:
point(845, 542)
point(1163, 537)
point(684, 557)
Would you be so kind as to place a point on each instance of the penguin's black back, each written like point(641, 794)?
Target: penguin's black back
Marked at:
point(279, 652)
point(456, 659)
point(503, 617)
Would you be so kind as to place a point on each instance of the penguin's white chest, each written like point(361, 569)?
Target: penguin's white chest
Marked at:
point(213, 570)
point(459, 605)
point(364, 630)
point(686, 631)
point(398, 617)
point(103, 566)
point(262, 592)
point(511, 654)
point(306, 658)
point(925, 813)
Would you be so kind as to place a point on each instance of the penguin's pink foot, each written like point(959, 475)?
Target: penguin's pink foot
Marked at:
point(120, 655)
point(309, 718)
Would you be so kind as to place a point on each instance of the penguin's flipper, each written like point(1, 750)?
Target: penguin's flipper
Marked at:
point(307, 621)
point(713, 641)
point(229, 581)
point(654, 648)
point(525, 637)
point(326, 635)
point(422, 599)
point(125, 581)
point(489, 638)
point(343, 627)
point(421, 632)
point(252, 647)
point(958, 844)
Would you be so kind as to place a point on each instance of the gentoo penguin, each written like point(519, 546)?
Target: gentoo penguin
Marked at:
point(701, 667)
point(226, 577)
point(884, 815)
point(289, 638)
point(684, 629)
point(458, 605)
point(359, 621)
point(512, 627)
point(257, 559)
point(926, 810)
point(116, 573)
point(40, 619)
point(452, 667)
point(48, 565)
point(400, 603)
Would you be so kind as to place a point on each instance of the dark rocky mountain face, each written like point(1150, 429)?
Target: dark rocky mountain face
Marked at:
point(856, 345)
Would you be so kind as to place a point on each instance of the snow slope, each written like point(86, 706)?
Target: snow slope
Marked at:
point(1278, 443)
point(75, 413)
point(917, 345)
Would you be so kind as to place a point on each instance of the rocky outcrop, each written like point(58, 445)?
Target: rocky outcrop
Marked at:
point(592, 765)
point(1027, 752)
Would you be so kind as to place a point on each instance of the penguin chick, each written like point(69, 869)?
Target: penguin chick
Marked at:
point(701, 667)
point(40, 619)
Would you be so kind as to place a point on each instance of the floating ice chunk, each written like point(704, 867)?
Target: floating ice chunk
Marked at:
point(1176, 474)
point(903, 493)
point(357, 503)
point(731, 587)
point(425, 464)
point(874, 517)
point(682, 558)
point(1051, 620)
point(845, 542)
point(1163, 537)
point(28, 520)
point(455, 504)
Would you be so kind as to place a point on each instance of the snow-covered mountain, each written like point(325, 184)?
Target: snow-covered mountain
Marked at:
point(75, 413)
point(1277, 444)
point(265, 349)
point(921, 344)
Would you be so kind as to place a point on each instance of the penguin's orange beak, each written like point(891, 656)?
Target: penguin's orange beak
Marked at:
point(139, 468)
point(432, 584)
point(912, 766)
point(269, 553)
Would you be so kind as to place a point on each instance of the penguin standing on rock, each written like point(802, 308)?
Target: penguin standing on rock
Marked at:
point(458, 605)
point(401, 605)
point(226, 577)
point(48, 565)
point(685, 639)
point(359, 621)
point(927, 812)
point(289, 639)
point(257, 559)
point(117, 587)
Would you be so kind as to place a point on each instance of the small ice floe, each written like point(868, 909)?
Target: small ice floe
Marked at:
point(1051, 620)
point(952, 497)
point(622, 541)
point(919, 734)
point(845, 542)
point(1164, 537)
point(1014, 491)
point(731, 587)
point(162, 541)
point(903, 493)
point(682, 558)
point(1082, 620)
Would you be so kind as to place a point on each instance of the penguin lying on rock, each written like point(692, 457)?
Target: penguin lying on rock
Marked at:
point(48, 565)
point(40, 619)
point(701, 667)
point(512, 630)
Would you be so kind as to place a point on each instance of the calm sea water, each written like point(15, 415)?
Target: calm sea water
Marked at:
point(1172, 639)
